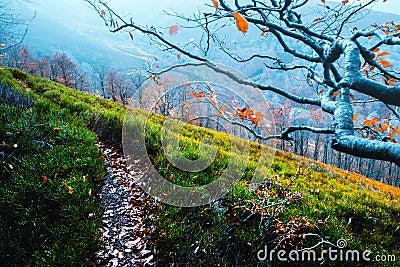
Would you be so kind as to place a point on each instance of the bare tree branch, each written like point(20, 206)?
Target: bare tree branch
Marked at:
point(394, 111)
point(352, 14)
point(335, 61)
point(298, 99)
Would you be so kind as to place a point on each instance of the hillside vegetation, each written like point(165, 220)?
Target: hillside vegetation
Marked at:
point(50, 172)
point(49, 210)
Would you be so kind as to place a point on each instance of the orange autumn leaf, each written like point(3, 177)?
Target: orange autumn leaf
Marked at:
point(367, 122)
point(216, 3)
point(335, 94)
point(163, 235)
point(352, 97)
point(355, 117)
point(317, 19)
point(200, 95)
point(241, 22)
point(375, 50)
point(179, 57)
point(386, 64)
point(174, 30)
point(259, 116)
point(264, 31)
point(375, 120)
point(70, 190)
point(171, 177)
point(242, 110)
point(383, 54)
point(57, 129)
point(45, 179)
point(345, 2)
point(253, 120)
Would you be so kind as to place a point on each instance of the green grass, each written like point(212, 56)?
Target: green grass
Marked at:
point(44, 149)
point(228, 232)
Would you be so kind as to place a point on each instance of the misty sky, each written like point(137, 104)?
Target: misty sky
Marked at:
point(149, 11)
point(76, 18)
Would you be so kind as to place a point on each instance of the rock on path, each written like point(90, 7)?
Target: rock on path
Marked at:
point(127, 226)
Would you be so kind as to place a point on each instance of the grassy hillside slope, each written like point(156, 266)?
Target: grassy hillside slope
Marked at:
point(298, 197)
point(50, 171)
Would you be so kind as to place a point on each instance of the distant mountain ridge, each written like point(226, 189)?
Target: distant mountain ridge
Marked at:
point(83, 35)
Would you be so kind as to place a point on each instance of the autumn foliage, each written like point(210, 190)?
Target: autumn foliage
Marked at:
point(241, 22)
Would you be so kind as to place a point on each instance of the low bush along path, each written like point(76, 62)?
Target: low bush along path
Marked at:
point(127, 219)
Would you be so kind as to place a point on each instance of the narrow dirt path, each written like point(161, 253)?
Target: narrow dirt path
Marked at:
point(127, 222)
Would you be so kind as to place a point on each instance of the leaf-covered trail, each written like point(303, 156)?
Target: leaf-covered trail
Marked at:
point(127, 219)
